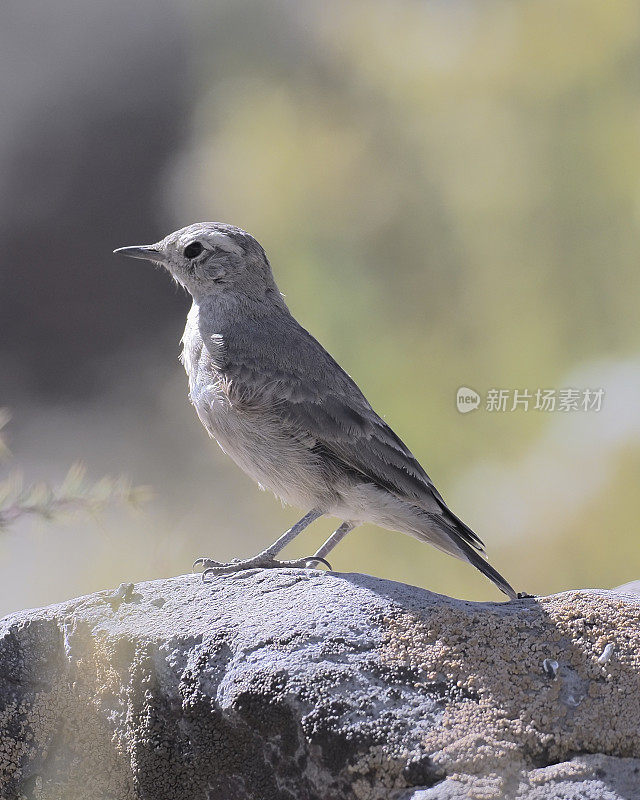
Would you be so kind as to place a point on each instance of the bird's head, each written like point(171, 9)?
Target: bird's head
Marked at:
point(212, 259)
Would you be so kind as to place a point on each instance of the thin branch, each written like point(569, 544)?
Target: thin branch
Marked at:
point(74, 494)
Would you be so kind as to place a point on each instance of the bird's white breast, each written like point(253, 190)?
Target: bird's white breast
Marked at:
point(255, 438)
point(202, 365)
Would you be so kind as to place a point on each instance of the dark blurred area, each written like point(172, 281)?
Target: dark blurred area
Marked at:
point(95, 100)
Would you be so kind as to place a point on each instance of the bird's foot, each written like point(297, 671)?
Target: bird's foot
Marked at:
point(261, 561)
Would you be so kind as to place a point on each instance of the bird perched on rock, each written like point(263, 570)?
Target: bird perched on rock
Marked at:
point(286, 412)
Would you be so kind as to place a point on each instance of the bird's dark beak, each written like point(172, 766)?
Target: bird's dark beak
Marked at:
point(145, 251)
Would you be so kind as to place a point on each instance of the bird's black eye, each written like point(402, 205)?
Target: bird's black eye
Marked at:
point(192, 250)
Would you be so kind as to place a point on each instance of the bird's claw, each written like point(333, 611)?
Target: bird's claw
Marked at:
point(307, 562)
point(204, 562)
point(211, 567)
point(317, 559)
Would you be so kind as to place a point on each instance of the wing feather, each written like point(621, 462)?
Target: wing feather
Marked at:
point(288, 370)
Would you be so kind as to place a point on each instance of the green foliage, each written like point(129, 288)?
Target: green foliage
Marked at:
point(74, 494)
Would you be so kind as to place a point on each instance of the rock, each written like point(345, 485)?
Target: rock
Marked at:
point(303, 685)
point(633, 587)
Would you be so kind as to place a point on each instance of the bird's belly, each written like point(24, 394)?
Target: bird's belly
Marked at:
point(265, 451)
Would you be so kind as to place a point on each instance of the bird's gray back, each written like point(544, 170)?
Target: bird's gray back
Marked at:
point(269, 364)
point(244, 414)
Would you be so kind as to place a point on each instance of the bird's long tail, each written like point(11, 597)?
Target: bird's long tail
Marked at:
point(462, 542)
point(465, 540)
point(473, 557)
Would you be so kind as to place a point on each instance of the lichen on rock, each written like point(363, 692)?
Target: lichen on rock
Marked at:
point(304, 685)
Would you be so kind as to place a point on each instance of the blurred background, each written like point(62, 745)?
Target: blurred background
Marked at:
point(449, 194)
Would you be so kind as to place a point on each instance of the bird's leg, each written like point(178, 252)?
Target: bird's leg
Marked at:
point(265, 559)
point(335, 538)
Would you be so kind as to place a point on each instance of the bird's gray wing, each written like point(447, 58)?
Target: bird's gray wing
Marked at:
point(289, 371)
point(361, 441)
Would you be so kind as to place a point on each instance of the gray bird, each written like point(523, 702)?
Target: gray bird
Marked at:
point(286, 412)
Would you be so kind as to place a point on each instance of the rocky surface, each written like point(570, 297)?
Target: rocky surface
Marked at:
point(303, 685)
